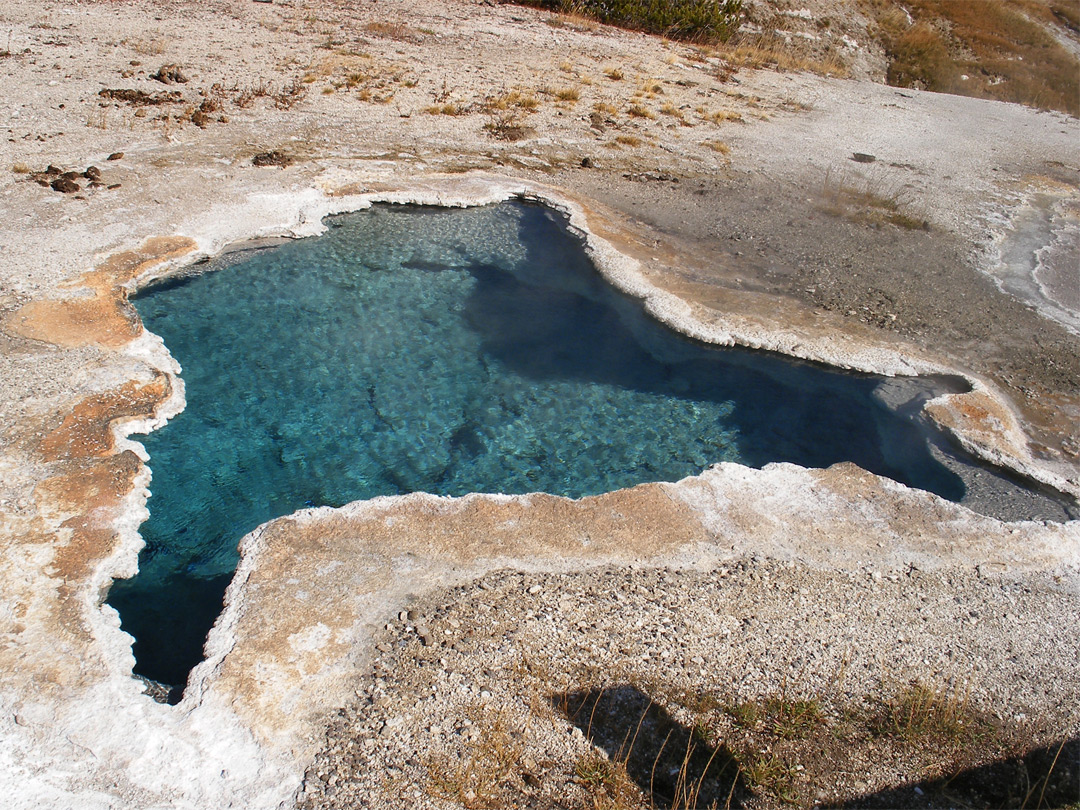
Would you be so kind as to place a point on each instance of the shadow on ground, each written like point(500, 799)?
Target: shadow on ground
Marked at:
point(672, 765)
point(1047, 777)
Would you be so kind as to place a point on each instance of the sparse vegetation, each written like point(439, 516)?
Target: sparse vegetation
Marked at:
point(981, 48)
point(399, 31)
point(507, 126)
point(779, 716)
point(290, 95)
point(643, 757)
point(614, 74)
point(628, 140)
point(768, 50)
point(918, 711)
point(719, 146)
point(868, 203)
point(515, 99)
point(650, 88)
point(719, 116)
point(670, 109)
point(481, 777)
point(638, 111)
point(447, 109)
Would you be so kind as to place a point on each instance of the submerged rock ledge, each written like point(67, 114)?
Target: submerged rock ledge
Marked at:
point(312, 587)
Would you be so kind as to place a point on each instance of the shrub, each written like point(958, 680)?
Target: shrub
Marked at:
point(697, 20)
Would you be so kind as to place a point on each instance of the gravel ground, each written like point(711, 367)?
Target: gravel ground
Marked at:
point(467, 699)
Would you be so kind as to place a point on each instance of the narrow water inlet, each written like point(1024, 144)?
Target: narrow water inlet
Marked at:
point(454, 351)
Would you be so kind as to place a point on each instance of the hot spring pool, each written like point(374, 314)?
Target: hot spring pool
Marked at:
point(449, 351)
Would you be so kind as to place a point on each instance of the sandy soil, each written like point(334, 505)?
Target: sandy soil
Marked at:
point(733, 198)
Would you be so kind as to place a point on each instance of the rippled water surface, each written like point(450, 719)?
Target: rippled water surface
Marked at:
point(447, 351)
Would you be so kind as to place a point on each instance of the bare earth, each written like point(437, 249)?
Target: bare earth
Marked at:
point(731, 203)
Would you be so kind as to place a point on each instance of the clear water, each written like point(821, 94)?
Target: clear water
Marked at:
point(447, 351)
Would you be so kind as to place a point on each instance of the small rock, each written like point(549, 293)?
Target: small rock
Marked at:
point(586, 163)
point(65, 185)
point(272, 158)
point(862, 157)
point(115, 156)
point(112, 186)
point(169, 74)
point(92, 173)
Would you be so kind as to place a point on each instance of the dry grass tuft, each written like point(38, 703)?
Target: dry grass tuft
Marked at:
point(290, 95)
point(720, 116)
point(514, 99)
point(670, 109)
point(868, 203)
point(398, 31)
point(481, 778)
point(637, 111)
point(628, 140)
point(919, 711)
point(447, 109)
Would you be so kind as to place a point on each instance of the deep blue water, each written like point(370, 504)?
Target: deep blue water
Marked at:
point(447, 351)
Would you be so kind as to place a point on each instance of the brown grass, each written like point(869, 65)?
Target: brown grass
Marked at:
point(480, 778)
point(447, 109)
point(720, 116)
point(398, 31)
point(768, 50)
point(514, 99)
point(868, 203)
point(983, 49)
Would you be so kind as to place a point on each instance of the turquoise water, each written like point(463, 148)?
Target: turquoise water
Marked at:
point(447, 351)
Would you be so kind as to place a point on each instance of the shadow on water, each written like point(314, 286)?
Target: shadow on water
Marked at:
point(783, 410)
point(1047, 777)
point(453, 351)
point(169, 633)
point(671, 764)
